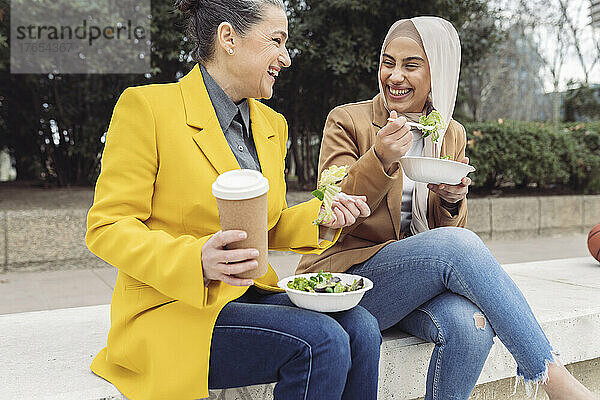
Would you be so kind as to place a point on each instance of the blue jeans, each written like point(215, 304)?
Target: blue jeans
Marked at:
point(446, 287)
point(265, 338)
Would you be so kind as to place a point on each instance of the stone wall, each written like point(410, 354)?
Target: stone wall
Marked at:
point(518, 217)
point(39, 239)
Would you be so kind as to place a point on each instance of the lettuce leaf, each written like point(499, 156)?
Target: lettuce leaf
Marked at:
point(435, 119)
point(327, 188)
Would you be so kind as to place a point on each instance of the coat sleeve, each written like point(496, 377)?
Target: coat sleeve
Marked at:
point(294, 230)
point(438, 215)
point(116, 231)
point(366, 175)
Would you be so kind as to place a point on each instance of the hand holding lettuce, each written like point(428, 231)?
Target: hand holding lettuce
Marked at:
point(347, 207)
point(327, 188)
point(430, 124)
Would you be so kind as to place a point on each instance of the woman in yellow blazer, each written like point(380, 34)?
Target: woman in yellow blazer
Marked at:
point(432, 278)
point(181, 321)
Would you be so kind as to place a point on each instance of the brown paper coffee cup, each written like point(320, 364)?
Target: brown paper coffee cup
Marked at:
point(242, 201)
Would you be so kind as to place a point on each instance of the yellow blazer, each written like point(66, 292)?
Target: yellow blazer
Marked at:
point(153, 211)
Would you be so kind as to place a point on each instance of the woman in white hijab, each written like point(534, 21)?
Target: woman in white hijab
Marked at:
point(432, 278)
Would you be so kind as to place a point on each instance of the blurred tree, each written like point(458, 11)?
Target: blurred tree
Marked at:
point(561, 33)
point(511, 86)
point(4, 9)
point(572, 13)
point(582, 102)
point(4, 55)
point(481, 38)
point(56, 122)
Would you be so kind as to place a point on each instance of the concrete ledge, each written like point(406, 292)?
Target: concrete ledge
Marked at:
point(90, 261)
point(41, 235)
point(591, 211)
point(479, 217)
point(519, 216)
point(561, 214)
point(47, 353)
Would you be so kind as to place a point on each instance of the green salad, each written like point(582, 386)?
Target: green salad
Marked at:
point(434, 119)
point(327, 188)
point(324, 282)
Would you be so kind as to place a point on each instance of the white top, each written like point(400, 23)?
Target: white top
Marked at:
point(408, 185)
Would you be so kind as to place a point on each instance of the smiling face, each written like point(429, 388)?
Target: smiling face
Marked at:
point(261, 54)
point(404, 75)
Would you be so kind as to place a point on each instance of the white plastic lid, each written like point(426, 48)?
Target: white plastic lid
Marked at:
point(240, 184)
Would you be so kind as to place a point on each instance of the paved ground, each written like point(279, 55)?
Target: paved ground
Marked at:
point(31, 291)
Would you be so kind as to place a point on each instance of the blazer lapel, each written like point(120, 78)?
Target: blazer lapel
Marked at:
point(200, 114)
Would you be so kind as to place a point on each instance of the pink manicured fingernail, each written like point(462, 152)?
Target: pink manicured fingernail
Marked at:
point(243, 235)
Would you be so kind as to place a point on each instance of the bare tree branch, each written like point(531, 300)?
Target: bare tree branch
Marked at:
point(575, 34)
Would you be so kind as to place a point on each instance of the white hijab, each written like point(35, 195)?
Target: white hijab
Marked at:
point(442, 47)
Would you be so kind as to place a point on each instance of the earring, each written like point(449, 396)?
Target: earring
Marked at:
point(231, 51)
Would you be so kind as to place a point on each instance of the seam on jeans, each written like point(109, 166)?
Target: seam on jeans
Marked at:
point(283, 334)
point(379, 267)
point(440, 350)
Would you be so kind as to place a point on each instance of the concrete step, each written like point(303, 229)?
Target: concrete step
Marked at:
point(46, 354)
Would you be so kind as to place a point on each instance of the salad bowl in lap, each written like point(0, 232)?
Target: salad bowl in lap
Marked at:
point(325, 292)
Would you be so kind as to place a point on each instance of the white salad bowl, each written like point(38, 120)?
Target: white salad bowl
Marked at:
point(326, 302)
point(434, 170)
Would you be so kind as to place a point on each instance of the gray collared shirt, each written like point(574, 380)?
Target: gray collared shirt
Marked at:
point(235, 123)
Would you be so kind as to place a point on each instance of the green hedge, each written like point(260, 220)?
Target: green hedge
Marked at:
point(543, 155)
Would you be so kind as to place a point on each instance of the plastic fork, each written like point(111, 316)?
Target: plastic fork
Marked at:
point(417, 125)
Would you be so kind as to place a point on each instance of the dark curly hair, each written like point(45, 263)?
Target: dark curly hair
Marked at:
point(203, 17)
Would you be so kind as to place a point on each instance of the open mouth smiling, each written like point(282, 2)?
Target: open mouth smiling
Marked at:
point(274, 72)
point(399, 92)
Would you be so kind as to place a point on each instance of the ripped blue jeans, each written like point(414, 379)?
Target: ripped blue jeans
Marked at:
point(446, 287)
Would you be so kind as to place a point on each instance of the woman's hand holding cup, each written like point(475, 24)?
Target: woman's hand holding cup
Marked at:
point(393, 140)
point(346, 209)
point(220, 264)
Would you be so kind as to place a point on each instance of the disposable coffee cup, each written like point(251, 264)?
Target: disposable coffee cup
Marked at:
point(242, 201)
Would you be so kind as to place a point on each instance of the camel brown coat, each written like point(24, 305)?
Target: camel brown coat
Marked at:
point(348, 139)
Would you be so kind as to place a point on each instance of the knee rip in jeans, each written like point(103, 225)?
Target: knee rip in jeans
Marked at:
point(479, 321)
